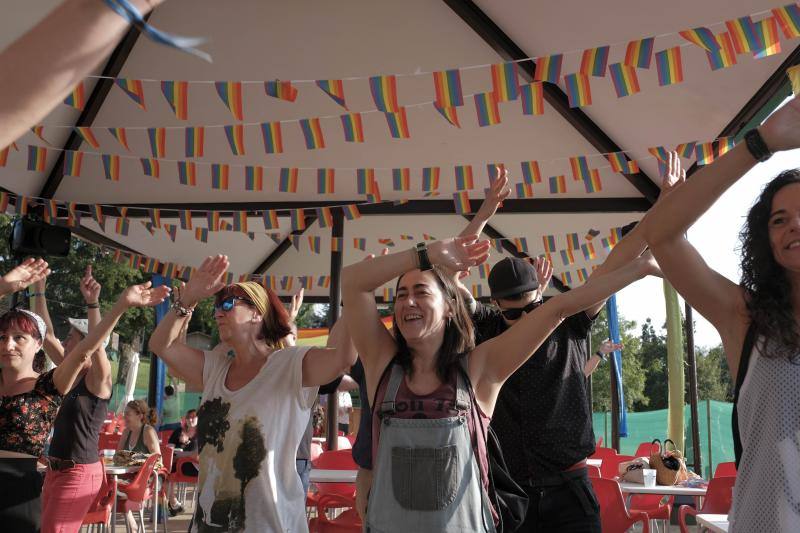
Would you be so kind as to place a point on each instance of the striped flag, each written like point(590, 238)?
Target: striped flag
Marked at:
point(505, 81)
point(486, 107)
point(620, 163)
point(447, 84)
point(111, 166)
point(594, 61)
point(312, 132)
point(744, 35)
point(521, 244)
point(548, 68)
point(351, 212)
point(725, 145)
point(532, 98)
point(273, 139)
point(384, 93)
point(150, 167)
point(788, 17)
point(230, 92)
point(240, 221)
point(365, 180)
point(353, 128)
point(271, 220)
point(386, 241)
point(97, 214)
point(201, 234)
point(315, 244)
point(639, 53)
point(401, 179)
point(388, 294)
point(172, 233)
point(325, 181)
point(669, 65)
point(558, 184)
point(21, 205)
point(579, 91)
point(405, 237)
point(37, 158)
point(39, 132)
point(524, 190)
point(567, 257)
point(158, 139)
point(50, 211)
point(566, 278)
point(122, 226)
point(580, 167)
point(334, 89)
point(155, 217)
point(464, 179)
point(430, 179)
point(702, 37)
point(212, 220)
point(235, 136)
point(588, 251)
point(253, 178)
point(725, 56)
point(398, 124)
point(573, 243)
point(530, 172)
point(185, 218)
point(493, 170)
point(177, 96)
point(686, 149)
point(121, 136)
point(583, 274)
point(767, 31)
point(336, 244)
point(73, 215)
point(483, 270)
point(360, 243)
point(298, 219)
point(4, 156)
point(705, 153)
point(287, 182)
point(592, 182)
point(624, 78)
point(449, 113)
point(477, 290)
point(72, 163)
point(195, 141)
point(461, 200)
point(187, 173)
point(659, 152)
point(220, 174)
point(77, 98)
point(283, 90)
point(325, 217)
point(794, 77)
point(591, 234)
point(88, 136)
point(134, 90)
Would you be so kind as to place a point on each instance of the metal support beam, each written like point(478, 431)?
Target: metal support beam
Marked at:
point(282, 247)
point(691, 370)
point(337, 231)
point(506, 48)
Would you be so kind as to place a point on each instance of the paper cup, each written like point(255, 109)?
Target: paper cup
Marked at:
point(649, 476)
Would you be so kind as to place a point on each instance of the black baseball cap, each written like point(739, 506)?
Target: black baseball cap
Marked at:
point(512, 276)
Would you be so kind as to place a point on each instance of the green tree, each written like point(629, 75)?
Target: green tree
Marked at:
point(633, 377)
point(713, 378)
point(653, 355)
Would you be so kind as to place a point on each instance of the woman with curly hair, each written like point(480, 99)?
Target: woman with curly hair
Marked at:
point(757, 319)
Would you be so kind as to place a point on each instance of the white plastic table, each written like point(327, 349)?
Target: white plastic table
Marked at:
point(666, 490)
point(319, 475)
point(594, 462)
point(713, 522)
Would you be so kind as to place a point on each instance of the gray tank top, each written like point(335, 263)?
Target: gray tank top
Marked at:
point(766, 496)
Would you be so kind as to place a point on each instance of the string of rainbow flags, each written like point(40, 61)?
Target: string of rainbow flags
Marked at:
point(743, 35)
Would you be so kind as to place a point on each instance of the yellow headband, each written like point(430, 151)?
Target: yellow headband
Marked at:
point(257, 295)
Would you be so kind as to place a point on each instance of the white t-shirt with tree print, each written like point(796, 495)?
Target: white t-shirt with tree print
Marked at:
point(247, 441)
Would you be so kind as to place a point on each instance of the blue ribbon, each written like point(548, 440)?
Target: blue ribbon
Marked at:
point(129, 12)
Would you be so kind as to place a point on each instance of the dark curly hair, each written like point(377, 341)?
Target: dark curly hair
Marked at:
point(767, 287)
point(459, 335)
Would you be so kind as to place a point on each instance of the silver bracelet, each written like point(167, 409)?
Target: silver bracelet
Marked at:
point(180, 310)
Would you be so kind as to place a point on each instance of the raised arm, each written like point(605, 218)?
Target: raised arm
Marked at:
point(323, 365)
point(52, 346)
point(606, 347)
point(183, 360)
point(50, 59)
point(98, 378)
point(498, 192)
point(134, 296)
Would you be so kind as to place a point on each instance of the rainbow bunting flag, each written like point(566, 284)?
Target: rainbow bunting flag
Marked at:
point(88, 136)
point(325, 217)
point(573, 243)
point(121, 135)
point(384, 93)
point(705, 153)
point(505, 81)
point(767, 31)
point(172, 233)
point(464, 179)
point(788, 17)
point(583, 274)
point(592, 182)
point(240, 221)
point(122, 226)
point(111, 166)
point(530, 172)
point(287, 182)
point(549, 242)
point(620, 163)
point(39, 132)
point(37, 158)
point(659, 152)
point(4, 198)
point(405, 237)
point(187, 173)
point(336, 244)
point(744, 35)
point(185, 218)
point(150, 167)
point(253, 178)
point(639, 53)
point(493, 170)
point(497, 244)
point(177, 96)
point(588, 251)
point(483, 270)
point(521, 244)
point(133, 88)
point(606, 243)
point(334, 89)
point(725, 145)
point(388, 294)
point(447, 84)
point(283, 90)
point(449, 113)
point(297, 219)
point(169, 270)
point(566, 278)
point(155, 217)
point(230, 92)
point(398, 124)
point(365, 180)
point(669, 65)
point(72, 163)
point(532, 98)
point(325, 181)
point(158, 140)
point(430, 179)
point(273, 138)
point(594, 61)
point(324, 281)
point(579, 92)
point(351, 212)
point(477, 290)
point(312, 132)
point(487, 109)
point(725, 56)
point(580, 167)
point(195, 141)
point(21, 205)
point(558, 184)
point(524, 190)
point(401, 179)
point(360, 243)
point(271, 220)
point(591, 234)
point(548, 68)
point(374, 196)
point(77, 98)
point(50, 211)
point(4, 156)
point(428, 237)
point(624, 78)
point(235, 136)
point(220, 177)
point(702, 37)
point(794, 77)
point(353, 128)
point(315, 243)
point(567, 257)
point(386, 241)
point(201, 234)
point(461, 200)
point(686, 149)
point(96, 211)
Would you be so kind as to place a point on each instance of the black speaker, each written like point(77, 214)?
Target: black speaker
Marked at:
point(31, 237)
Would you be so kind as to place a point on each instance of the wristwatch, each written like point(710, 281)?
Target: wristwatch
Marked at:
point(756, 145)
point(423, 261)
point(601, 355)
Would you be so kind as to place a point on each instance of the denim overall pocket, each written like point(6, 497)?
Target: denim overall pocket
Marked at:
point(425, 479)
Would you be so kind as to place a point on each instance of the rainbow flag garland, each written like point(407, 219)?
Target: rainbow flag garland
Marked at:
point(235, 136)
point(111, 166)
point(88, 136)
point(788, 17)
point(134, 90)
point(430, 179)
point(669, 65)
point(464, 181)
point(351, 212)
point(334, 89)
point(744, 34)
point(725, 56)
point(686, 149)
point(325, 217)
point(567, 257)
point(312, 132)
point(177, 96)
point(558, 184)
point(37, 158)
point(725, 145)
point(530, 172)
point(72, 163)
point(398, 123)
point(220, 177)
point(486, 107)
point(150, 167)
point(195, 140)
point(284, 90)
point(461, 200)
point(594, 61)
point(359, 243)
point(325, 181)
point(287, 182)
point(548, 68)
point(521, 244)
point(212, 220)
point(315, 244)
point(588, 251)
point(579, 91)
point(505, 81)
point(702, 37)
point(297, 219)
point(384, 93)
point(580, 167)
point(705, 153)
point(624, 79)
point(123, 226)
point(767, 31)
point(532, 98)
point(187, 173)
point(155, 217)
point(158, 139)
point(592, 182)
point(121, 136)
point(77, 98)
point(253, 178)
point(620, 163)
point(449, 113)
point(230, 92)
point(447, 84)
point(493, 170)
point(273, 138)
point(365, 180)
point(271, 220)
point(185, 218)
point(39, 132)
point(639, 53)
point(573, 243)
point(524, 190)
point(353, 128)
point(401, 179)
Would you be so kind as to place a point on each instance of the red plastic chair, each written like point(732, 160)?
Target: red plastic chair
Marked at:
point(100, 511)
point(725, 470)
point(614, 517)
point(653, 506)
point(645, 449)
point(602, 453)
point(717, 501)
point(336, 460)
point(316, 450)
point(139, 491)
point(163, 436)
point(179, 477)
point(593, 471)
point(344, 444)
point(610, 467)
point(346, 522)
point(108, 441)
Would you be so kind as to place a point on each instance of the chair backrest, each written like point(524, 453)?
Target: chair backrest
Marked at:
point(719, 495)
point(136, 490)
point(164, 435)
point(316, 450)
point(167, 455)
point(610, 467)
point(108, 441)
point(725, 470)
point(613, 514)
point(335, 460)
point(602, 453)
point(645, 449)
point(593, 471)
point(178, 476)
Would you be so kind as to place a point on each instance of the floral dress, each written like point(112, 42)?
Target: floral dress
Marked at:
point(26, 419)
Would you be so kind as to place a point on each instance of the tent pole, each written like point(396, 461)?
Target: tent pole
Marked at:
point(614, 404)
point(337, 230)
point(693, 397)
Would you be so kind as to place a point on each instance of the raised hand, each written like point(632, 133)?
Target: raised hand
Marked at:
point(144, 295)
point(90, 288)
point(206, 280)
point(458, 253)
point(26, 273)
point(297, 302)
point(675, 175)
point(498, 192)
point(607, 346)
point(544, 272)
point(781, 131)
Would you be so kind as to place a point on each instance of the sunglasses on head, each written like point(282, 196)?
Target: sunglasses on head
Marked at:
point(226, 304)
point(516, 312)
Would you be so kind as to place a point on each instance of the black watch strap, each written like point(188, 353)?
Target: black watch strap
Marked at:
point(756, 146)
point(423, 261)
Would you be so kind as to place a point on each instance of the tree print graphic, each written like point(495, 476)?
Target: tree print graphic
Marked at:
point(249, 456)
point(212, 423)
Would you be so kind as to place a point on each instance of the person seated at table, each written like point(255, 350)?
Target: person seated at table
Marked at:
point(140, 435)
point(185, 438)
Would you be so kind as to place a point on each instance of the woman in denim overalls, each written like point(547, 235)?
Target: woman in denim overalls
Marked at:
point(426, 475)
